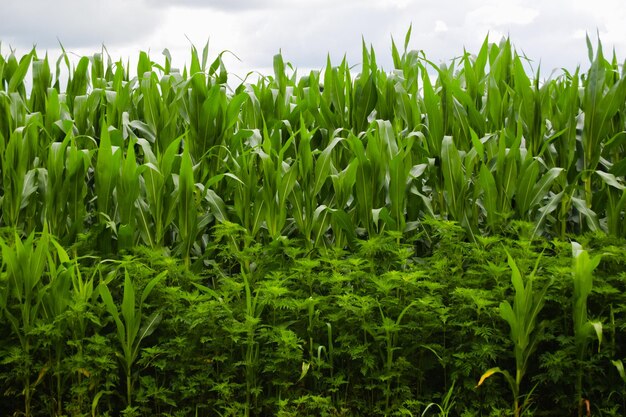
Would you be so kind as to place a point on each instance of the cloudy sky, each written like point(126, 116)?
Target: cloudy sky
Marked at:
point(550, 31)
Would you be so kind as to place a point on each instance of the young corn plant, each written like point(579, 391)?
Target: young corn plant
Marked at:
point(585, 330)
point(446, 406)
point(131, 325)
point(525, 331)
point(55, 310)
point(30, 278)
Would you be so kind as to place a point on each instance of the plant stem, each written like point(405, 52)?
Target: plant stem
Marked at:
point(128, 388)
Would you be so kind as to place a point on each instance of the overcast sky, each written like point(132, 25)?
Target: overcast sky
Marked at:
point(550, 31)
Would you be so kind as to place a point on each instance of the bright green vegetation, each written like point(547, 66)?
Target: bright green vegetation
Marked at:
point(327, 244)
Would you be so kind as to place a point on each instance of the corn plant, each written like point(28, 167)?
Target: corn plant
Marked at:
point(32, 293)
point(66, 188)
point(187, 206)
point(127, 194)
point(525, 332)
point(444, 408)
point(106, 177)
point(56, 304)
point(20, 175)
point(131, 326)
point(457, 184)
point(279, 178)
point(603, 97)
point(584, 329)
point(490, 142)
point(314, 169)
point(159, 194)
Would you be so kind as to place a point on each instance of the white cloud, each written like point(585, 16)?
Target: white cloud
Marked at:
point(500, 14)
point(228, 5)
point(308, 30)
point(76, 23)
point(610, 16)
point(441, 26)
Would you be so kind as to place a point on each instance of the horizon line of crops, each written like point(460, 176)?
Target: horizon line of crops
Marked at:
point(159, 158)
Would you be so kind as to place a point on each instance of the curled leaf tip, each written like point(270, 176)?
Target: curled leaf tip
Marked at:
point(486, 375)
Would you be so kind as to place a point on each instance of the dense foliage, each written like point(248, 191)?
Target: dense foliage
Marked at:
point(330, 244)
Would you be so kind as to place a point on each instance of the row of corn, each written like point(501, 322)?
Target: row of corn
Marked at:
point(159, 156)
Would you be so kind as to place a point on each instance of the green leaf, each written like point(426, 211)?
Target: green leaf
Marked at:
point(150, 286)
point(611, 180)
point(365, 98)
point(17, 78)
point(620, 369)
point(149, 326)
point(506, 375)
point(453, 177)
point(106, 297)
point(217, 205)
point(541, 189)
point(323, 165)
point(490, 196)
point(187, 210)
point(128, 302)
point(233, 110)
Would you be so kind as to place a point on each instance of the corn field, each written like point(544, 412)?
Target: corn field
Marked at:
point(175, 240)
point(160, 157)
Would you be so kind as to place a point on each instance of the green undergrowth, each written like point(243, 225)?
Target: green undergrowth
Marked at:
point(396, 327)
